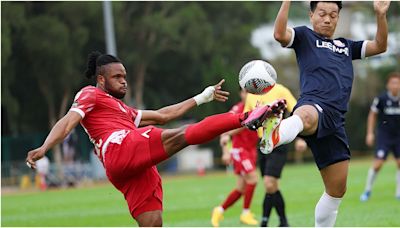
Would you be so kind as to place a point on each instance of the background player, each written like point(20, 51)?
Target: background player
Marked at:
point(128, 150)
point(271, 165)
point(385, 110)
point(243, 154)
point(326, 77)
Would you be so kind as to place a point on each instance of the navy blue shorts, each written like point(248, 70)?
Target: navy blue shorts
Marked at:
point(329, 145)
point(385, 144)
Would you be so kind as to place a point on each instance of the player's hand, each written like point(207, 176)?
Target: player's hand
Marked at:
point(381, 7)
point(223, 140)
point(370, 139)
point(33, 156)
point(219, 94)
point(226, 158)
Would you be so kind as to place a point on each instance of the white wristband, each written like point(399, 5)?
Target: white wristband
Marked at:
point(206, 96)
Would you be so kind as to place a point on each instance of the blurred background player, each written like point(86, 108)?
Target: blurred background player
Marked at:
point(42, 169)
point(126, 143)
point(385, 110)
point(271, 165)
point(243, 154)
point(326, 80)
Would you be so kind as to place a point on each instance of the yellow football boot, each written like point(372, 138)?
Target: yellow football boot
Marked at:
point(216, 217)
point(248, 219)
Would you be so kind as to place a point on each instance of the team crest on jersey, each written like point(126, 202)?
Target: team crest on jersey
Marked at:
point(338, 43)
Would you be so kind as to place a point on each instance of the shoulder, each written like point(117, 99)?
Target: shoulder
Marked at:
point(302, 30)
point(383, 96)
point(86, 93)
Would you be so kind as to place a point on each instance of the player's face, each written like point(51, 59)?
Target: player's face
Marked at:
point(393, 86)
point(115, 80)
point(324, 18)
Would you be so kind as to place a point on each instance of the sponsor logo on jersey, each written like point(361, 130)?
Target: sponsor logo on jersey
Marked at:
point(332, 47)
point(392, 110)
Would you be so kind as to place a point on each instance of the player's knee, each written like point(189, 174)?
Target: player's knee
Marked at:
point(338, 192)
point(154, 221)
point(252, 179)
point(309, 123)
point(377, 168)
point(157, 222)
point(270, 186)
point(309, 116)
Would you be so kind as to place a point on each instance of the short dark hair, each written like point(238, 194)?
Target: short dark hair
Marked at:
point(95, 60)
point(313, 4)
point(393, 75)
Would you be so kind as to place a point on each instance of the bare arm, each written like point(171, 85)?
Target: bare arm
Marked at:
point(379, 44)
point(58, 133)
point(282, 33)
point(371, 123)
point(166, 114)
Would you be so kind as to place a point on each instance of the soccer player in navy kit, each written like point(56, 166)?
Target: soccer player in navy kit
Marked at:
point(385, 110)
point(326, 77)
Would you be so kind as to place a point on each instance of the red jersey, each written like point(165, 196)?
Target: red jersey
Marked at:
point(246, 139)
point(104, 115)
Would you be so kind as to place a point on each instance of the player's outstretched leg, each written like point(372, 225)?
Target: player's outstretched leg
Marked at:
point(213, 126)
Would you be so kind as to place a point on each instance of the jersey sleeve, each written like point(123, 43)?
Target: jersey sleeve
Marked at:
point(357, 49)
point(136, 116)
point(298, 34)
point(375, 106)
point(84, 102)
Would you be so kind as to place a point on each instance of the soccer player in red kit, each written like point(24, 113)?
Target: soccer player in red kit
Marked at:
point(127, 145)
point(243, 155)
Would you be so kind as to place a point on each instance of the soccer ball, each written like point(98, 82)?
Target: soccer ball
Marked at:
point(257, 77)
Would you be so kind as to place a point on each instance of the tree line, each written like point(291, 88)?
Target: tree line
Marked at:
point(171, 51)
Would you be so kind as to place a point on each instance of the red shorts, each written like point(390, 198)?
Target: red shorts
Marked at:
point(152, 203)
point(130, 166)
point(243, 161)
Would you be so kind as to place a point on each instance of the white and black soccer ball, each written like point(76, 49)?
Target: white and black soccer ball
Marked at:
point(257, 77)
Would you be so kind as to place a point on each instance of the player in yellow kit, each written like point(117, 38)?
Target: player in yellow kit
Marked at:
point(271, 165)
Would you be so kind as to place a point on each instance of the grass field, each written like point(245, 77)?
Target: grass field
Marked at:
point(188, 201)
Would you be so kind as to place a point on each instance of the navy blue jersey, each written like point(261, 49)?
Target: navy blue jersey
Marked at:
point(326, 69)
point(388, 109)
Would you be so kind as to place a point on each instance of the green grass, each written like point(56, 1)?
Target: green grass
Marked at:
point(188, 201)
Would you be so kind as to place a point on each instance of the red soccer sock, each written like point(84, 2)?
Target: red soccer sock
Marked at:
point(212, 127)
point(248, 195)
point(231, 199)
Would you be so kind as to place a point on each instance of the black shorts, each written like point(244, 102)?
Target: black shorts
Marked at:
point(329, 145)
point(272, 164)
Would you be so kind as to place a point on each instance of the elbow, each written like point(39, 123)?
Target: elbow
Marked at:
point(278, 36)
point(163, 120)
point(384, 49)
